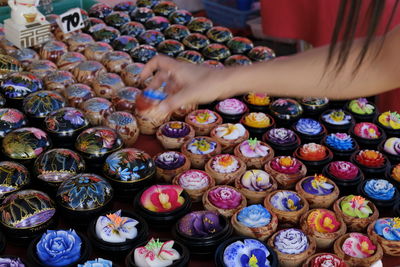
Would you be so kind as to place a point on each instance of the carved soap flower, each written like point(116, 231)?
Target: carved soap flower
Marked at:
point(258, 99)
point(370, 158)
point(337, 117)
point(390, 120)
point(201, 146)
point(396, 173)
point(358, 246)
point(327, 260)
point(313, 152)
point(249, 252)
point(379, 189)
point(367, 130)
point(388, 228)
point(194, 180)
point(230, 131)
point(308, 126)
point(253, 148)
point(175, 129)
point(170, 160)
point(225, 163)
point(156, 253)
point(11, 262)
point(317, 185)
point(286, 201)
point(162, 198)
point(343, 170)
point(340, 141)
point(291, 241)
point(59, 247)
point(281, 136)
point(256, 180)
point(355, 206)
point(361, 106)
point(231, 106)
point(99, 262)
point(225, 198)
point(392, 146)
point(200, 224)
point(257, 120)
point(286, 165)
point(203, 116)
point(114, 228)
point(323, 221)
point(254, 216)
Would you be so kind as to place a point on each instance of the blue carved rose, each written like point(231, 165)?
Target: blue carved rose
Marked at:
point(59, 247)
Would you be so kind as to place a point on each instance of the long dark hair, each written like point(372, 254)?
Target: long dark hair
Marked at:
point(348, 21)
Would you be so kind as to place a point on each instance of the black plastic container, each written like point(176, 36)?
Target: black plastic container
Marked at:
point(230, 118)
point(86, 251)
point(27, 264)
point(365, 143)
point(396, 210)
point(204, 246)
point(183, 251)
point(209, 106)
point(371, 172)
point(380, 204)
point(341, 154)
point(338, 104)
point(219, 254)
point(162, 221)
point(390, 178)
point(390, 132)
point(314, 166)
point(116, 251)
point(333, 128)
point(312, 109)
point(256, 108)
point(283, 149)
point(346, 187)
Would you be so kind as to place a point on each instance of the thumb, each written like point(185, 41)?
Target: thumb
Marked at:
point(175, 101)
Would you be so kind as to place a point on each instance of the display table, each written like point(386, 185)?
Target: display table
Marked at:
point(152, 146)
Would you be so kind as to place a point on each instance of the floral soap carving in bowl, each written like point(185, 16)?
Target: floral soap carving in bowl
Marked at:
point(162, 204)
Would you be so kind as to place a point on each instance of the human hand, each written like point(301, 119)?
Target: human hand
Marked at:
point(185, 83)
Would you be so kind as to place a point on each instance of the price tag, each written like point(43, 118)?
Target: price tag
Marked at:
point(71, 20)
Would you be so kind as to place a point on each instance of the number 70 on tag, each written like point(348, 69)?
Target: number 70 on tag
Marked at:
point(71, 20)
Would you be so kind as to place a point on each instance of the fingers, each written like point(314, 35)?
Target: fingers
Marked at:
point(157, 63)
point(159, 79)
point(174, 102)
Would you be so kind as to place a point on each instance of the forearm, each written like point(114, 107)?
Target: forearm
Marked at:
point(305, 74)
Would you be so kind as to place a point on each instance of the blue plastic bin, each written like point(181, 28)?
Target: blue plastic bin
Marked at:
point(222, 13)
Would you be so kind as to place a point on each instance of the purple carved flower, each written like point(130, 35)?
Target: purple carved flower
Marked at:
point(200, 223)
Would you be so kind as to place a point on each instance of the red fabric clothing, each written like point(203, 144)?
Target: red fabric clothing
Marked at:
point(314, 20)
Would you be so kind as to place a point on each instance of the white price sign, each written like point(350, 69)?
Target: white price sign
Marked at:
point(71, 20)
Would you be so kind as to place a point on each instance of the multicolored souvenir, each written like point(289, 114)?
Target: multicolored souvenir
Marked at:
point(125, 124)
point(194, 182)
point(18, 85)
point(59, 80)
point(70, 60)
point(115, 61)
point(170, 47)
point(78, 93)
point(133, 29)
point(105, 34)
point(96, 51)
point(246, 253)
point(219, 34)
point(200, 224)
point(237, 60)
point(176, 32)
point(143, 53)
point(162, 198)
point(125, 98)
point(190, 56)
point(116, 19)
point(114, 228)
point(224, 199)
point(131, 74)
point(11, 119)
point(200, 25)
point(96, 109)
point(125, 43)
point(86, 71)
point(79, 41)
point(239, 45)
point(165, 8)
point(261, 53)
point(106, 84)
point(58, 165)
point(286, 109)
point(195, 41)
point(27, 209)
point(156, 253)
point(13, 177)
point(41, 68)
point(216, 51)
point(52, 50)
point(100, 10)
point(25, 56)
point(84, 192)
point(147, 3)
point(98, 141)
point(25, 143)
point(39, 104)
point(181, 17)
point(157, 23)
point(125, 6)
point(142, 14)
point(151, 37)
